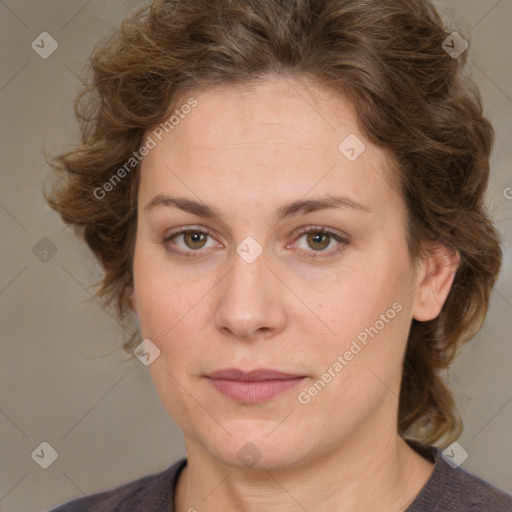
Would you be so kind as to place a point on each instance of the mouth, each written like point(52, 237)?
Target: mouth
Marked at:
point(254, 386)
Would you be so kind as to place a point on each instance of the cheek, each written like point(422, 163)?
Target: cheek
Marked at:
point(368, 314)
point(170, 315)
point(169, 384)
point(165, 313)
point(160, 301)
point(166, 317)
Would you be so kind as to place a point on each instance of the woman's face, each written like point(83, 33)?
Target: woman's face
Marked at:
point(323, 315)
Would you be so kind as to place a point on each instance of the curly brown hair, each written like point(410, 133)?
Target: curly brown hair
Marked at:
point(410, 95)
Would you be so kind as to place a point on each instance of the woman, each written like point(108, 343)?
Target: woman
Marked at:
point(289, 196)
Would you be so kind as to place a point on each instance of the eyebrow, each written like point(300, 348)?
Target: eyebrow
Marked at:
point(202, 209)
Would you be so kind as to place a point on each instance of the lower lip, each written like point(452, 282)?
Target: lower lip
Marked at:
point(254, 392)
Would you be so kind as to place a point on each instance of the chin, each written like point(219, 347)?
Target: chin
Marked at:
point(254, 446)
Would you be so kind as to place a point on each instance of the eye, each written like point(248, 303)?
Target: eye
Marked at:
point(319, 239)
point(194, 241)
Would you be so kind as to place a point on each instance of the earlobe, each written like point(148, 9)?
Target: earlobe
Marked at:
point(436, 279)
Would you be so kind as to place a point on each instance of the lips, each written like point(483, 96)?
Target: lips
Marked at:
point(254, 386)
point(252, 375)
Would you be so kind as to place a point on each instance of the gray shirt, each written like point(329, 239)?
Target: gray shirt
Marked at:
point(447, 490)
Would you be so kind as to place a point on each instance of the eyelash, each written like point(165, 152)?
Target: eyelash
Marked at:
point(310, 229)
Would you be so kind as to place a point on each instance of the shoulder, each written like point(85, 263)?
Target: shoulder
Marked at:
point(472, 493)
point(151, 493)
point(454, 489)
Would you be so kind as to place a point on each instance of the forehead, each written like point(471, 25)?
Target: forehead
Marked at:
point(243, 116)
point(280, 137)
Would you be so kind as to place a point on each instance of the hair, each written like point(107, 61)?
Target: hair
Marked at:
point(410, 97)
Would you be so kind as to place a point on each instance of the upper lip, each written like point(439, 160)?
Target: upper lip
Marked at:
point(251, 375)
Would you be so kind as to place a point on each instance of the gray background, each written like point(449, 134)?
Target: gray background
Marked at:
point(62, 375)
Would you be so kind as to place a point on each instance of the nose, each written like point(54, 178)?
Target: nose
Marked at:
point(249, 303)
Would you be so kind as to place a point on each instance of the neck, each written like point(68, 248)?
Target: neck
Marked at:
point(376, 473)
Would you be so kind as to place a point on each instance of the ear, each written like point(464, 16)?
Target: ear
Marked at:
point(435, 278)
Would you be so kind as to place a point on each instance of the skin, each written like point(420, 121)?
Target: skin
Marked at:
point(247, 151)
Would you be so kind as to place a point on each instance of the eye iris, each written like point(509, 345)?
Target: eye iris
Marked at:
point(195, 238)
point(315, 238)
